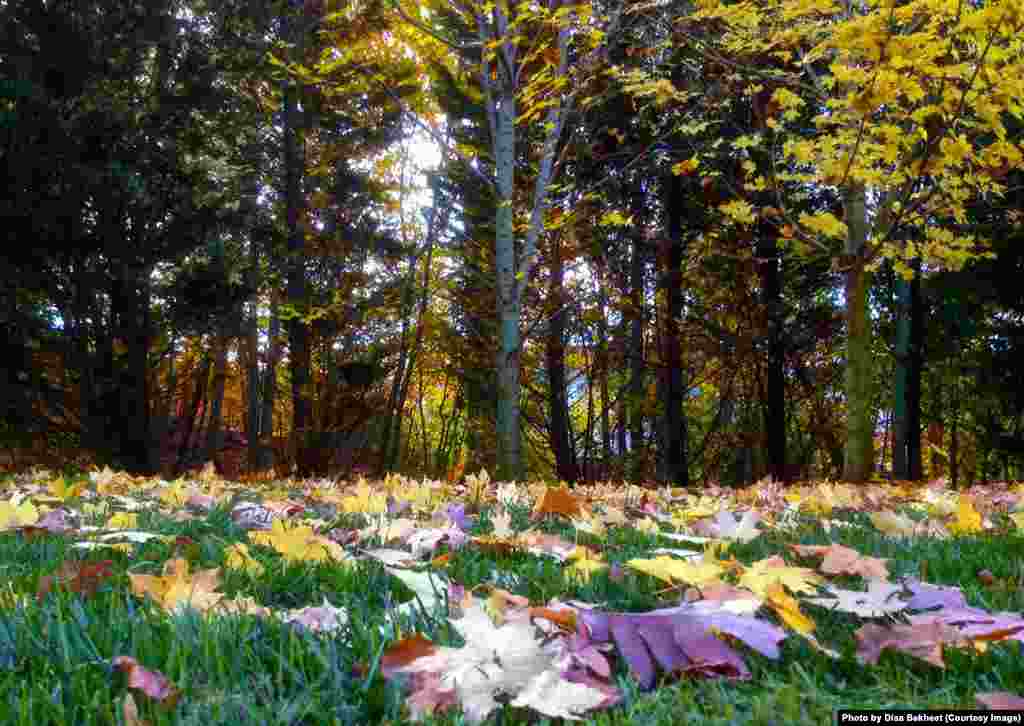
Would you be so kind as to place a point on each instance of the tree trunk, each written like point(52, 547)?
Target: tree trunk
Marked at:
point(954, 436)
point(202, 374)
point(558, 405)
point(859, 450)
point(507, 364)
point(901, 420)
point(131, 302)
point(915, 467)
point(220, 369)
point(636, 359)
point(676, 471)
point(269, 395)
point(298, 330)
point(771, 299)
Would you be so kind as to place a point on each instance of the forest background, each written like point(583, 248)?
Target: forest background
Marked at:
point(665, 241)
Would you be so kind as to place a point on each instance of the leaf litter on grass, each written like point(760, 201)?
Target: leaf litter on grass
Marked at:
point(557, 658)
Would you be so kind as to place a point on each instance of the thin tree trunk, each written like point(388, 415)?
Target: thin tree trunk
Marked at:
point(202, 374)
point(602, 367)
point(269, 397)
point(220, 370)
point(636, 359)
point(558, 407)
point(299, 354)
point(915, 467)
point(859, 450)
point(676, 469)
point(775, 412)
point(901, 420)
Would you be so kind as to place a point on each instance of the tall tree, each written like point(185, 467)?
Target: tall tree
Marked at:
point(906, 130)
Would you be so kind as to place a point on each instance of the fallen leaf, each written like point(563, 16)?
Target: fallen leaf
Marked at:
point(879, 600)
point(324, 618)
point(507, 660)
point(152, 683)
point(175, 588)
point(557, 500)
point(923, 640)
point(763, 573)
point(788, 609)
point(299, 543)
point(1000, 701)
point(83, 578)
point(681, 639)
point(726, 526)
point(967, 519)
point(840, 560)
point(673, 571)
point(403, 652)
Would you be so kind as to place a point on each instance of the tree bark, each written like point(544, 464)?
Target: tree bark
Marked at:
point(676, 469)
point(299, 353)
point(202, 374)
point(858, 459)
point(131, 305)
point(901, 421)
point(636, 358)
point(220, 370)
point(771, 299)
point(508, 431)
point(915, 465)
point(558, 406)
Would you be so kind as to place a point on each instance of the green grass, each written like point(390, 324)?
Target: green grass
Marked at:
point(55, 655)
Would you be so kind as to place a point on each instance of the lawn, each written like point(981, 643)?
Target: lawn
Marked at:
point(203, 601)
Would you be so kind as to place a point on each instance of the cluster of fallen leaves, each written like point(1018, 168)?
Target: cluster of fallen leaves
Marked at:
point(555, 658)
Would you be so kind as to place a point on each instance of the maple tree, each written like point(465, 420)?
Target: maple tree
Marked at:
point(909, 104)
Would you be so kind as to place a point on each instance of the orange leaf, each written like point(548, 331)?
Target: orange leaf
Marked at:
point(404, 652)
point(565, 619)
point(557, 500)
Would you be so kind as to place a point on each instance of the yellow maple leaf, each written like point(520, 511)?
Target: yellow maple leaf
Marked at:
point(764, 573)
point(967, 519)
point(238, 558)
point(585, 562)
point(365, 501)
point(299, 543)
point(788, 609)
point(893, 524)
point(174, 494)
point(672, 570)
point(123, 520)
point(175, 588)
point(61, 489)
point(16, 512)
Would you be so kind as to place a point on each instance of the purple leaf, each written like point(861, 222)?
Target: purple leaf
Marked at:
point(681, 639)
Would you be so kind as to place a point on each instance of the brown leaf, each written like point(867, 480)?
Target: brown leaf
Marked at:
point(840, 560)
point(81, 577)
point(923, 640)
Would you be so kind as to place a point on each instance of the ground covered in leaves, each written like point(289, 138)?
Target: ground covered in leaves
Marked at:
point(202, 601)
